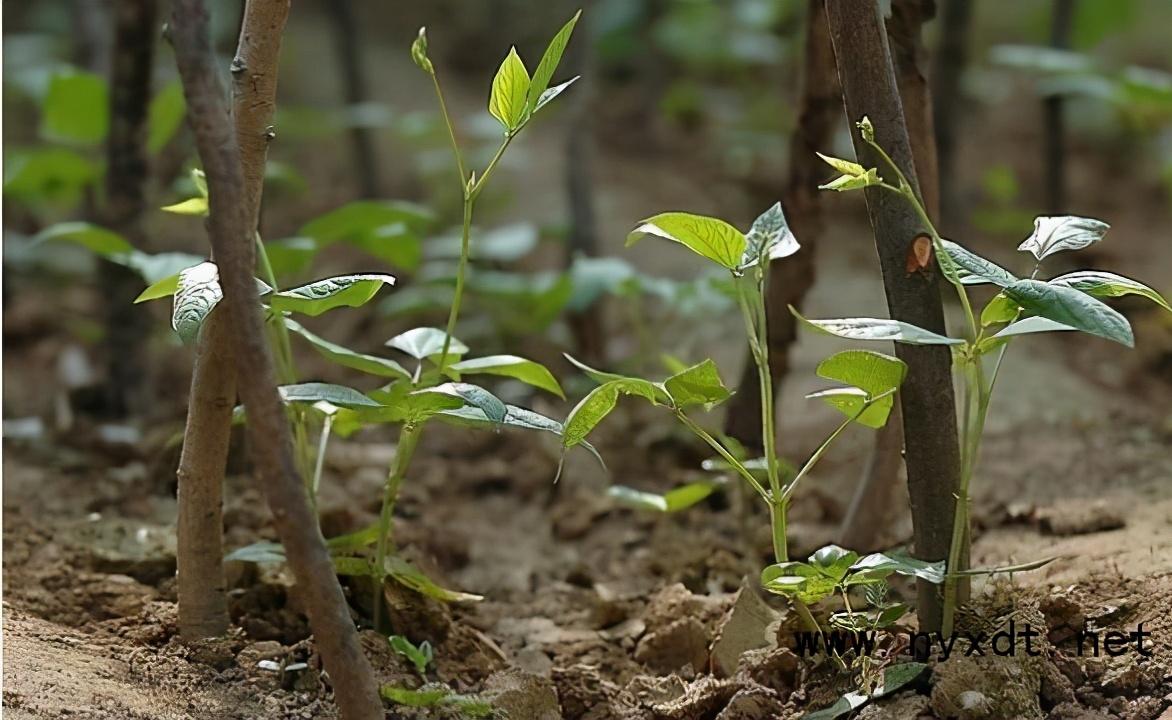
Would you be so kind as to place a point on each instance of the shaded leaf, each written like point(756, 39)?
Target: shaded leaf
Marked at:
point(419, 52)
point(1071, 307)
point(1000, 309)
point(319, 296)
point(879, 565)
point(409, 576)
point(76, 108)
point(477, 397)
point(800, 581)
point(974, 269)
point(870, 372)
point(94, 238)
point(264, 551)
point(312, 392)
point(593, 408)
point(1032, 325)
point(833, 561)
point(372, 364)
point(165, 115)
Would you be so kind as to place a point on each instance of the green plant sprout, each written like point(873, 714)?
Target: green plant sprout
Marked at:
point(1022, 306)
point(419, 655)
point(868, 382)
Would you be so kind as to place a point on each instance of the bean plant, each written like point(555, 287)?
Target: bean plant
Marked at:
point(1022, 306)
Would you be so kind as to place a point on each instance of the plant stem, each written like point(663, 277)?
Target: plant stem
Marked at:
point(461, 272)
point(408, 440)
point(322, 442)
point(451, 130)
point(728, 457)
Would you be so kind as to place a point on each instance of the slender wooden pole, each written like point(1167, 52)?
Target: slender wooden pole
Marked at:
point(1054, 118)
point(232, 237)
point(948, 98)
point(790, 279)
point(926, 398)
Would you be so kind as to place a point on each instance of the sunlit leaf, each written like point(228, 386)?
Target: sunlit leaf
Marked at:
point(674, 500)
point(545, 69)
point(879, 565)
point(424, 342)
point(833, 561)
point(802, 582)
point(1000, 309)
point(706, 236)
point(770, 238)
point(870, 372)
point(190, 206)
point(477, 397)
point(1030, 325)
point(1100, 284)
point(1067, 232)
point(878, 329)
point(697, 385)
point(196, 295)
point(593, 408)
point(419, 52)
point(507, 102)
point(527, 371)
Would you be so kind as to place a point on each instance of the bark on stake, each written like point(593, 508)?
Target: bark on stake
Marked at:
point(926, 398)
point(790, 279)
point(232, 234)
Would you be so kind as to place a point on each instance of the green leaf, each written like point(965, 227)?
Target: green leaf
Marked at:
point(419, 52)
point(153, 267)
point(48, 173)
point(878, 329)
point(846, 167)
point(553, 92)
point(802, 582)
point(598, 376)
point(401, 404)
point(974, 269)
point(76, 108)
point(673, 500)
point(160, 289)
point(871, 372)
point(1032, 325)
point(94, 238)
point(833, 561)
point(712, 238)
point(1100, 284)
point(477, 397)
point(516, 417)
point(593, 408)
point(1071, 307)
point(264, 551)
point(196, 295)
point(527, 371)
point(387, 229)
point(312, 392)
point(768, 239)
point(322, 295)
point(854, 176)
point(190, 206)
point(354, 541)
point(509, 89)
point(420, 656)
point(200, 180)
point(697, 385)
point(409, 576)
point(1067, 232)
point(866, 129)
point(423, 342)
point(999, 310)
point(371, 364)
point(436, 695)
point(879, 565)
point(164, 116)
point(291, 256)
point(548, 65)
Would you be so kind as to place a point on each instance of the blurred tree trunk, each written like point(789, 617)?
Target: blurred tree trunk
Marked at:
point(873, 506)
point(135, 26)
point(585, 323)
point(348, 43)
point(948, 97)
point(926, 398)
point(1053, 117)
point(790, 279)
point(230, 166)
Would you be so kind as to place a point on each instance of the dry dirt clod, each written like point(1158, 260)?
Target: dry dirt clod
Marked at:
point(682, 644)
point(744, 627)
point(1079, 517)
point(519, 694)
point(980, 688)
point(750, 704)
point(907, 706)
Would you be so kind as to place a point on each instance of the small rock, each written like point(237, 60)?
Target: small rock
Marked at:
point(1079, 517)
point(519, 694)
point(681, 644)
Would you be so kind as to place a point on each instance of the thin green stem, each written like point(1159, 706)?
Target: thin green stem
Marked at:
point(461, 273)
point(789, 489)
point(723, 452)
point(451, 131)
point(478, 186)
point(408, 440)
point(323, 442)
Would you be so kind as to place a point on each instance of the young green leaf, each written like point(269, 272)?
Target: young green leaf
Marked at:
point(399, 403)
point(879, 565)
point(76, 108)
point(866, 129)
point(420, 656)
point(319, 296)
point(409, 576)
point(94, 238)
point(516, 417)
point(190, 206)
point(527, 371)
point(160, 289)
point(313, 392)
point(854, 176)
point(510, 87)
point(974, 269)
point(419, 52)
point(697, 385)
point(423, 342)
point(800, 581)
point(1000, 309)
point(673, 500)
point(1100, 284)
point(878, 329)
point(372, 364)
point(712, 238)
point(543, 74)
point(1067, 232)
point(870, 372)
point(593, 408)
point(833, 561)
point(768, 239)
point(598, 376)
point(196, 295)
point(1068, 306)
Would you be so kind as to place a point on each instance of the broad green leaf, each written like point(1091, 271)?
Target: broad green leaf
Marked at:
point(1071, 307)
point(833, 561)
point(999, 310)
point(477, 397)
point(879, 565)
point(802, 582)
point(712, 238)
point(509, 89)
point(871, 372)
point(401, 404)
point(1100, 284)
point(160, 289)
point(372, 364)
point(769, 238)
point(94, 238)
point(423, 342)
point(673, 500)
point(1032, 325)
point(697, 385)
point(197, 293)
point(47, 174)
point(548, 65)
point(354, 541)
point(593, 408)
point(409, 576)
point(322, 295)
point(165, 115)
point(312, 392)
point(527, 371)
point(419, 52)
point(76, 108)
point(1067, 232)
point(363, 216)
point(190, 206)
point(878, 329)
point(974, 269)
